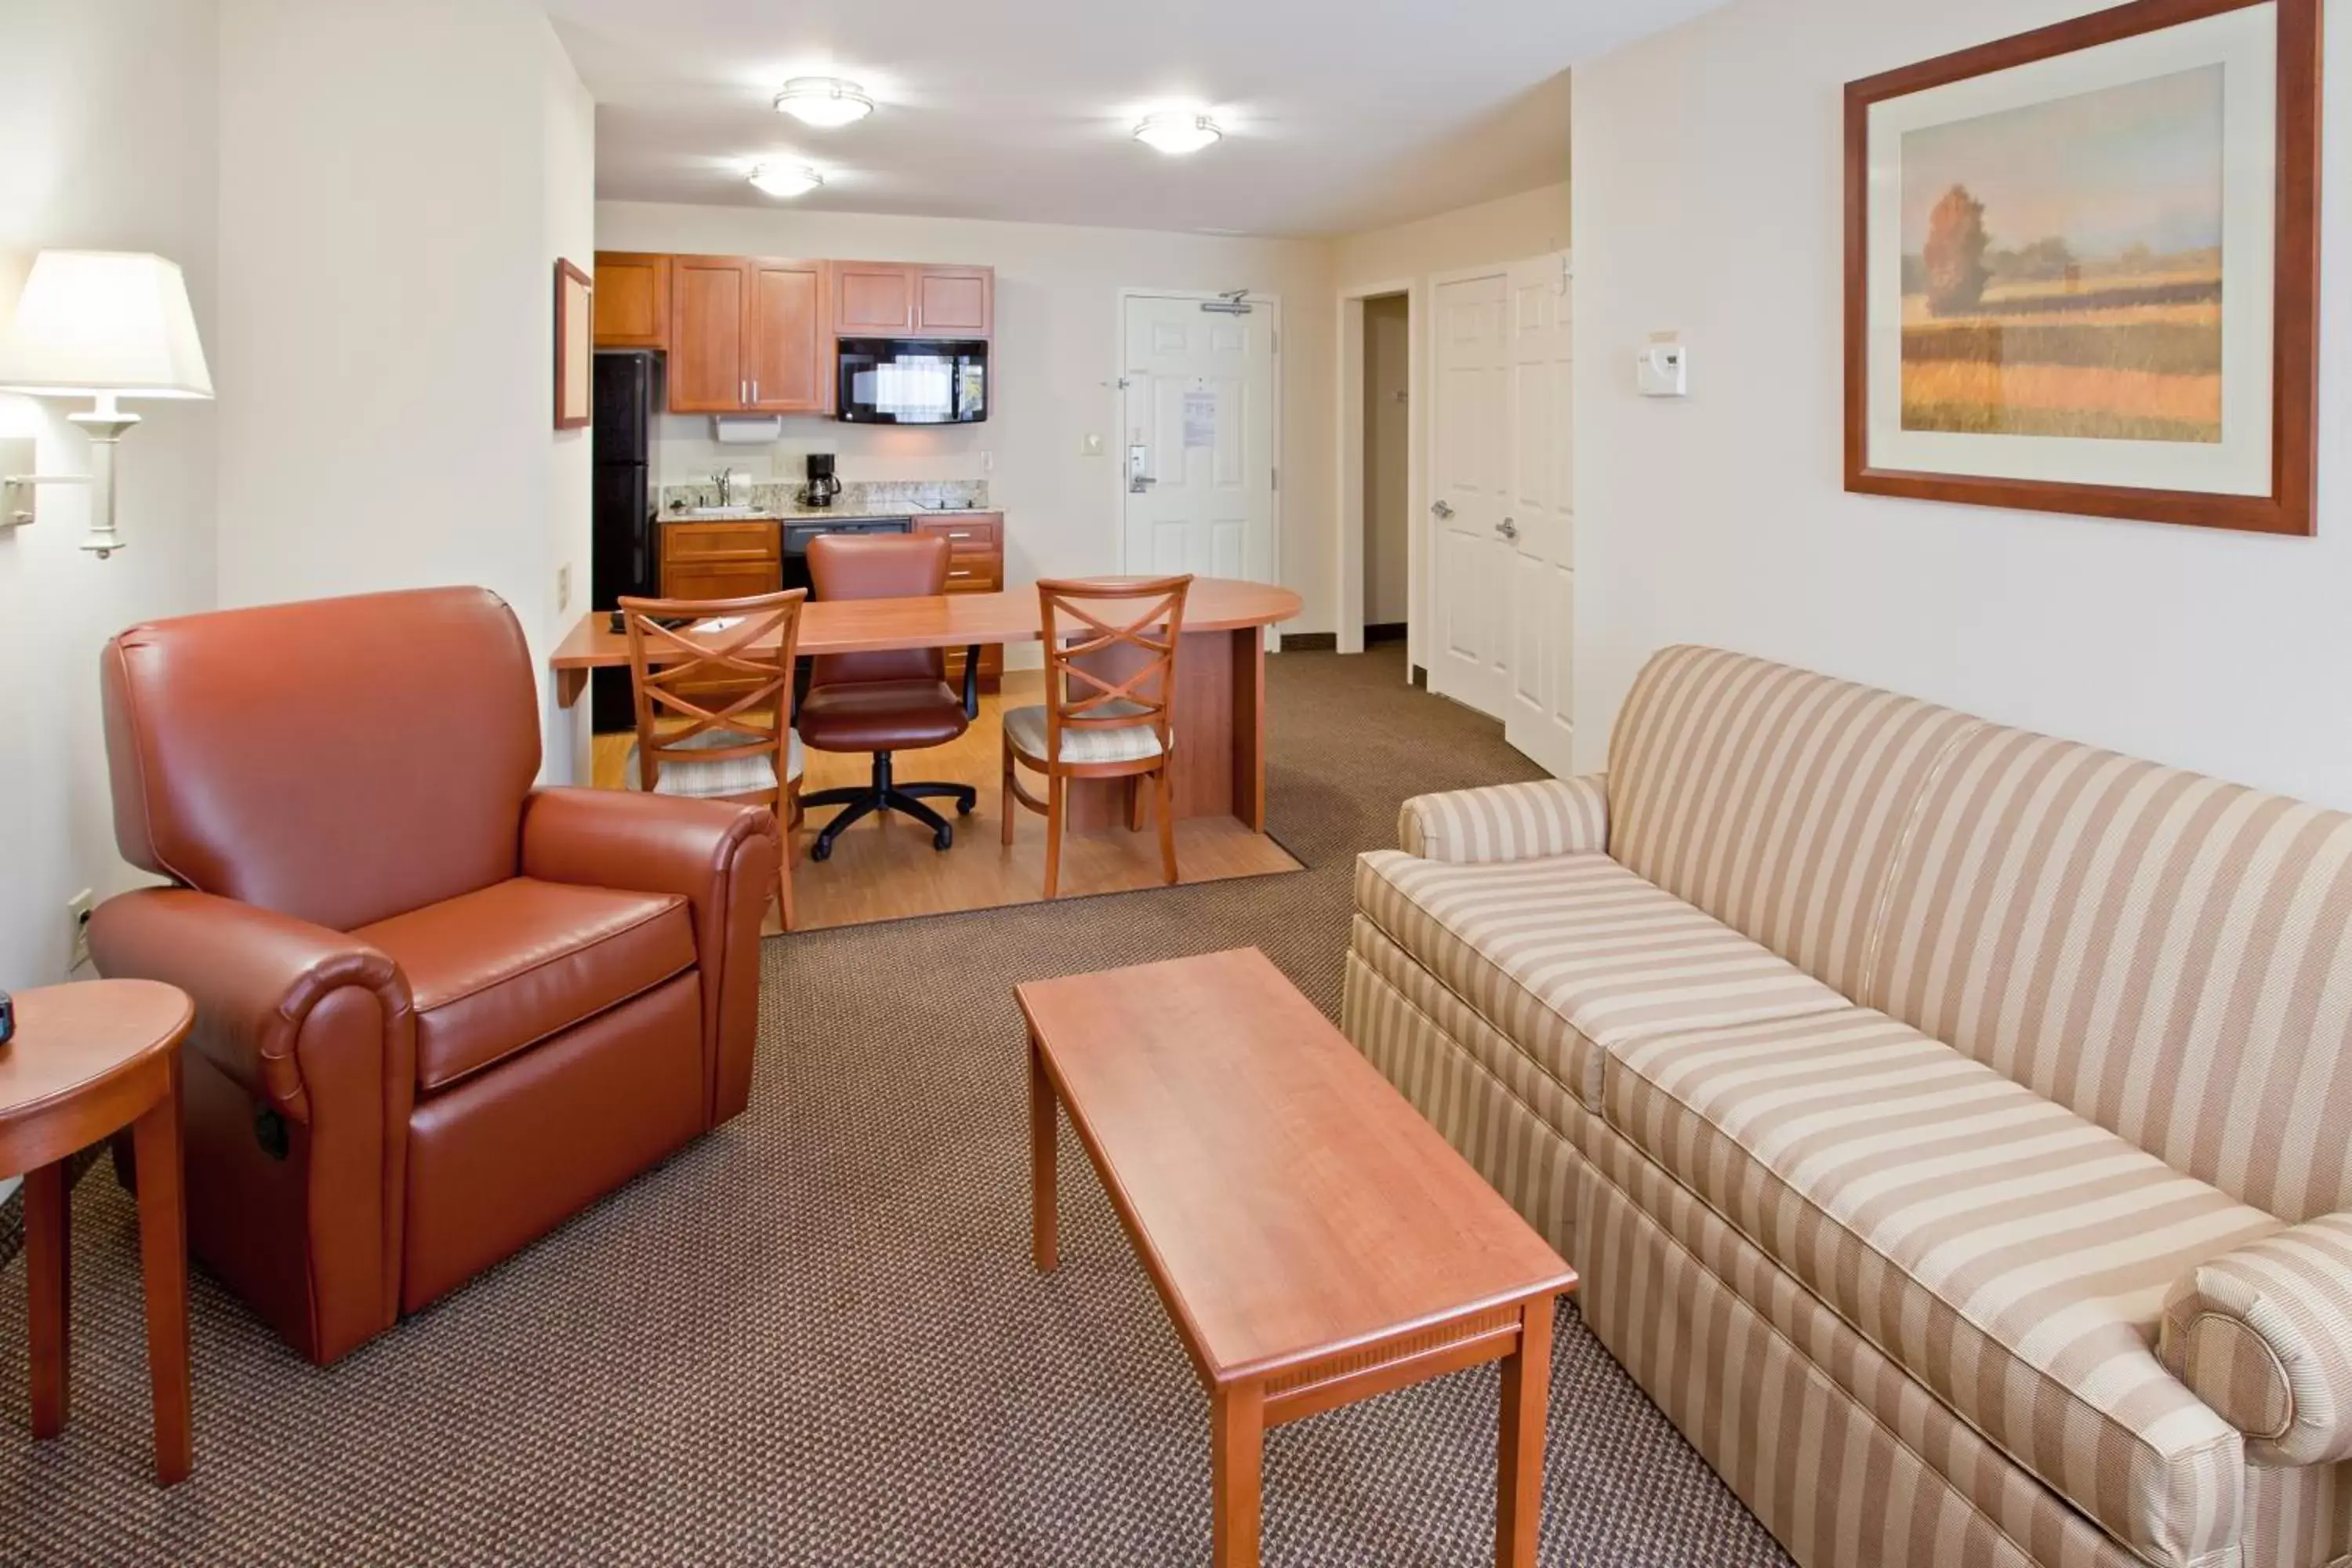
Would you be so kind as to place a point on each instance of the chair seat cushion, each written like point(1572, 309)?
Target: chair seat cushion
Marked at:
point(2011, 1256)
point(496, 971)
point(881, 716)
point(1574, 955)
point(720, 779)
point(1025, 728)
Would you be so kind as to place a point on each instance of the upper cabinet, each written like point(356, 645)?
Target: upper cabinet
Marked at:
point(746, 336)
point(903, 299)
point(632, 300)
point(789, 354)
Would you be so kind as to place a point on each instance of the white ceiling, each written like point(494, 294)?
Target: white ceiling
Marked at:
point(1340, 114)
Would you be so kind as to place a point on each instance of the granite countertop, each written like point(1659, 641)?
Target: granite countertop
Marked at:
point(865, 513)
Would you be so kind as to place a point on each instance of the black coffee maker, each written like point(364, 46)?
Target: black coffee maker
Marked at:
point(821, 484)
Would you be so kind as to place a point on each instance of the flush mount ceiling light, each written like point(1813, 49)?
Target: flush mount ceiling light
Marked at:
point(826, 100)
point(1177, 133)
point(786, 180)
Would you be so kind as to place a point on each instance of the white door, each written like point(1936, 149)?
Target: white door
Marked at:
point(1197, 462)
point(1538, 523)
point(1469, 560)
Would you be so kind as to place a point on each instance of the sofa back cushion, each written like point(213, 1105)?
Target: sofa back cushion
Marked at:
point(1772, 798)
point(2164, 954)
point(337, 759)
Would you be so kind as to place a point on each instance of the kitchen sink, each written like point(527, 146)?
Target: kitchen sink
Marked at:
point(721, 511)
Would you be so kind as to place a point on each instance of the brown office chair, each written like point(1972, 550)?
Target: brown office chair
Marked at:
point(716, 721)
point(438, 1010)
point(881, 703)
point(1108, 688)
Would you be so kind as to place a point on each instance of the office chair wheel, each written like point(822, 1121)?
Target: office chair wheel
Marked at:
point(965, 804)
point(821, 849)
point(943, 840)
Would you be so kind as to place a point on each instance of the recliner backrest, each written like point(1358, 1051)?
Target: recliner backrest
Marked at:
point(340, 760)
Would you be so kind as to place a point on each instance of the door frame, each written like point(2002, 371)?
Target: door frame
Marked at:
point(1353, 522)
point(1272, 305)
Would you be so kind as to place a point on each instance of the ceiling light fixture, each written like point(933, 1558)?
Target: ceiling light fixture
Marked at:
point(1179, 132)
point(786, 180)
point(826, 100)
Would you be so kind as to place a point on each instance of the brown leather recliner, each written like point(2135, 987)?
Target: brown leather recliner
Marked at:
point(437, 1010)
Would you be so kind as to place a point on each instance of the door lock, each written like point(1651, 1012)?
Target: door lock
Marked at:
point(1138, 481)
point(1507, 528)
point(1441, 512)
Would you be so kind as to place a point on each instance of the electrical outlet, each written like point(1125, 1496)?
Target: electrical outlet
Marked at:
point(77, 911)
point(563, 587)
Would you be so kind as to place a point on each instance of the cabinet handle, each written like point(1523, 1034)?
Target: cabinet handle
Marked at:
point(959, 533)
point(755, 390)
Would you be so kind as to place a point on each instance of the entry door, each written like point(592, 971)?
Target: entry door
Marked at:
point(1538, 523)
point(1469, 477)
point(1197, 460)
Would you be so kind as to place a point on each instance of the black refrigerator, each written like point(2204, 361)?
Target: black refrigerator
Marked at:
point(625, 555)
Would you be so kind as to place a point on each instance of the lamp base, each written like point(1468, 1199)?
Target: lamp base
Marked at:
point(105, 426)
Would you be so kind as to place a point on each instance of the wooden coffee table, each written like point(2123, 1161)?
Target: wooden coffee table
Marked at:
point(1315, 1241)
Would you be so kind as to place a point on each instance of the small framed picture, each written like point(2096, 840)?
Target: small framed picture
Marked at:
point(2082, 268)
point(574, 296)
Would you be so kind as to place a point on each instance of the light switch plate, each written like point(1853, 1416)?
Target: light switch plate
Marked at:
point(1093, 447)
point(16, 507)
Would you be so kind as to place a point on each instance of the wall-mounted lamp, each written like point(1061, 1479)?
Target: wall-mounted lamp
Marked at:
point(106, 325)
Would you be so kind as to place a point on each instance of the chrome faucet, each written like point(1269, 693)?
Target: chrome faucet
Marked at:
point(726, 482)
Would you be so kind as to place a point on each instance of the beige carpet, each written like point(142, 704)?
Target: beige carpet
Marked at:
point(814, 1338)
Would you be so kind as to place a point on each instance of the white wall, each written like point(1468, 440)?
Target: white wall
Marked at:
point(1057, 353)
point(1708, 200)
point(107, 140)
point(396, 183)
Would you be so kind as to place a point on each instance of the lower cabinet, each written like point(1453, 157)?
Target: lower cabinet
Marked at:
point(975, 565)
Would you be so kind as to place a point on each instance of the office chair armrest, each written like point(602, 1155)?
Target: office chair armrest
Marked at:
point(258, 977)
point(722, 858)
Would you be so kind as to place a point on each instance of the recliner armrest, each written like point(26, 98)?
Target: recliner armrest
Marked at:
point(2264, 1334)
point(255, 975)
point(1530, 821)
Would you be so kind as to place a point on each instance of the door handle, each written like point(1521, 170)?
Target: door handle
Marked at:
point(1138, 481)
point(1441, 512)
point(1507, 528)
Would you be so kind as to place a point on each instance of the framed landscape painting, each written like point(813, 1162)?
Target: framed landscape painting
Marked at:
point(2083, 266)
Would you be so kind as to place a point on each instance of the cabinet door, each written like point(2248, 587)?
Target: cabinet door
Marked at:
point(785, 340)
point(873, 299)
point(631, 309)
point(710, 303)
point(955, 302)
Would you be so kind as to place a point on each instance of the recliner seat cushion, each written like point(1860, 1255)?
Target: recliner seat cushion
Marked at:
point(2011, 1256)
point(497, 971)
point(1574, 956)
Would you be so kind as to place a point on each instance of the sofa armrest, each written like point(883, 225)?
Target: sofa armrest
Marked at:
point(2264, 1334)
point(1508, 822)
point(722, 860)
point(255, 975)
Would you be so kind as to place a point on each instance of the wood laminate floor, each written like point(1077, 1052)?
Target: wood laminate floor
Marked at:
point(885, 868)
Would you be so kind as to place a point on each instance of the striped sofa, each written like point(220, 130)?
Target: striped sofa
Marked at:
point(1953, 1125)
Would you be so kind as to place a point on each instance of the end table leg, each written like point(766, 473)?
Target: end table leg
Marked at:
point(1519, 1448)
point(1044, 1134)
point(164, 1258)
point(1237, 1452)
point(48, 1292)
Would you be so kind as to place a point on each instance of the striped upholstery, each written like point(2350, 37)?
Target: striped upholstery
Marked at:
point(720, 779)
point(1572, 956)
point(1772, 798)
point(2014, 1257)
point(1508, 822)
point(2264, 1334)
point(1025, 728)
point(2169, 956)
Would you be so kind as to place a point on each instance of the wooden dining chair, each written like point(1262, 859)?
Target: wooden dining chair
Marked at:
point(715, 714)
point(1111, 680)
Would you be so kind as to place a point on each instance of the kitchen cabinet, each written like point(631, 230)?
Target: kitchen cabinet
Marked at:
point(975, 565)
point(912, 299)
point(632, 300)
point(745, 336)
point(721, 560)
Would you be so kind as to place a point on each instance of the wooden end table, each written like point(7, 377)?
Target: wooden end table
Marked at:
point(1315, 1240)
point(87, 1060)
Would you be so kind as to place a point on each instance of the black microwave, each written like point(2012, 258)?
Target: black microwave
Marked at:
point(913, 381)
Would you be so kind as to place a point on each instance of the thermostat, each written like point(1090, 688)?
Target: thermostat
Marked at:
point(1662, 370)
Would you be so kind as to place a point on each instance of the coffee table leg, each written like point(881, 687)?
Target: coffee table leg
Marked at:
point(1044, 1135)
point(49, 1291)
point(1236, 1451)
point(164, 1258)
point(1519, 1447)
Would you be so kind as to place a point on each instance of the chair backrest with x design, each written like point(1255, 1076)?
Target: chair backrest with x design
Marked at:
point(1113, 665)
point(706, 669)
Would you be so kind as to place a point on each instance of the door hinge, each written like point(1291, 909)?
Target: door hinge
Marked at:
point(1278, 340)
point(1277, 479)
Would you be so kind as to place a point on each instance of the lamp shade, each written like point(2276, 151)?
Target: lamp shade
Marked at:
point(104, 323)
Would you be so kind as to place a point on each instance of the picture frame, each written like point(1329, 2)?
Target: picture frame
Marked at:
point(2082, 268)
point(574, 346)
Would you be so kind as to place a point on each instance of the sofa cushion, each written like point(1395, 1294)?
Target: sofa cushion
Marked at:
point(2010, 1254)
point(1574, 955)
point(495, 970)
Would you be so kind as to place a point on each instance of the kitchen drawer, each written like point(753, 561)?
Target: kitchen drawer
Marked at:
point(967, 533)
point(719, 541)
point(975, 574)
point(720, 579)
